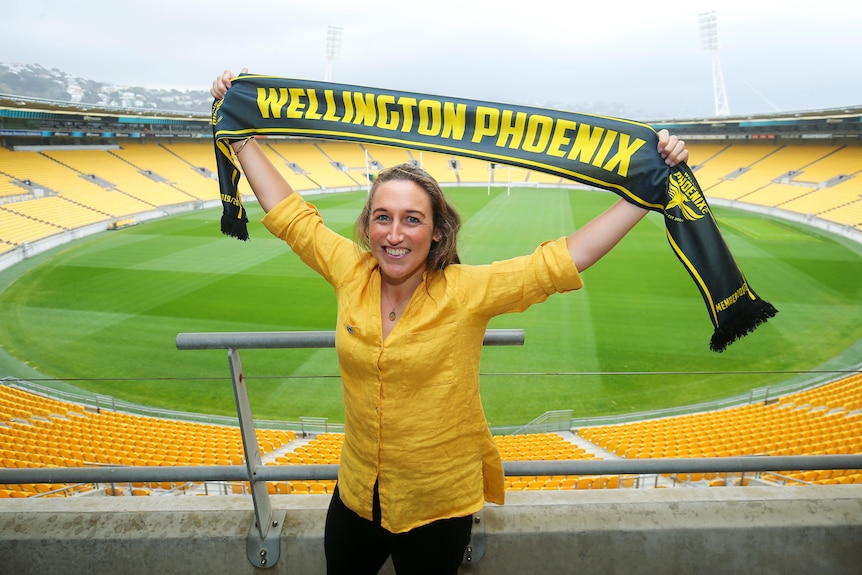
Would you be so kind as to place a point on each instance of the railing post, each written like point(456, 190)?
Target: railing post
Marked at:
point(476, 547)
point(263, 542)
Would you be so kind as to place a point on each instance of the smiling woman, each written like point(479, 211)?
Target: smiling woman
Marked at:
point(110, 307)
point(411, 227)
point(411, 381)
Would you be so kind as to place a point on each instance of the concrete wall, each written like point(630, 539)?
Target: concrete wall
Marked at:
point(762, 530)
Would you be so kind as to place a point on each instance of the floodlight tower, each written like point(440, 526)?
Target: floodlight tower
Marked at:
point(709, 40)
point(333, 48)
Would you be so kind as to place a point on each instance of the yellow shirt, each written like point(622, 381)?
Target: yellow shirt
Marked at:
point(414, 421)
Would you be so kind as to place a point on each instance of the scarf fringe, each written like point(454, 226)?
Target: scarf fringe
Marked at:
point(760, 311)
point(234, 228)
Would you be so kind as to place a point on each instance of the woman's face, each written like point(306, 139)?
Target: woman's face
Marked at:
point(401, 229)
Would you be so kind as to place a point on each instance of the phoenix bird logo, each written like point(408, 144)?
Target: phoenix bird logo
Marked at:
point(678, 200)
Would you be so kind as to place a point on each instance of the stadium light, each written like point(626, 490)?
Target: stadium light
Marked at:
point(709, 41)
point(334, 35)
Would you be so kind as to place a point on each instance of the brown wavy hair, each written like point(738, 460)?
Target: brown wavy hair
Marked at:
point(447, 221)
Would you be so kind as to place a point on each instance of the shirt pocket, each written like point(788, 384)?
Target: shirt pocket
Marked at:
point(428, 357)
point(354, 342)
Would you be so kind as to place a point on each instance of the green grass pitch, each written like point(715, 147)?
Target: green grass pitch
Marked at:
point(103, 313)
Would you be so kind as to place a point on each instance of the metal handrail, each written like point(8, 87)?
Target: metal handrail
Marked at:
point(303, 339)
point(120, 474)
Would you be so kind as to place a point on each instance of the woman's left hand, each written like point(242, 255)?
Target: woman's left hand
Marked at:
point(671, 148)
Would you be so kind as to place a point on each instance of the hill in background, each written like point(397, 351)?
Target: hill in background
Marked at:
point(35, 81)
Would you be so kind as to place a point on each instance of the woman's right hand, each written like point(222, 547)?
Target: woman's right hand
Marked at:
point(265, 180)
point(222, 83)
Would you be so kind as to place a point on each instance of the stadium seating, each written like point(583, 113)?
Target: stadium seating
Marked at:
point(313, 163)
point(773, 169)
point(716, 170)
point(36, 432)
point(323, 449)
point(824, 420)
point(81, 187)
point(18, 229)
point(387, 156)
point(538, 447)
point(439, 165)
point(814, 179)
point(470, 170)
point(186, 176)
point(9, 189)
point(125, 177)
point(351, 155)
point(56, 211)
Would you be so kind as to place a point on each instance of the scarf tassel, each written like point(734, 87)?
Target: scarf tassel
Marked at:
point(758, 312)
point(234, 227)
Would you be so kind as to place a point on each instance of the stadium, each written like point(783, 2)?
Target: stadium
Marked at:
point(106, 212)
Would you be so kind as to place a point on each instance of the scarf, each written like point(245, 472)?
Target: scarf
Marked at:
point(612, 154)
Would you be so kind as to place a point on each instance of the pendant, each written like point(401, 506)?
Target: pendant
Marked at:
point(392, 315)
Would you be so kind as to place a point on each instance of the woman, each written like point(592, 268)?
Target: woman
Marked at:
point(418, 458)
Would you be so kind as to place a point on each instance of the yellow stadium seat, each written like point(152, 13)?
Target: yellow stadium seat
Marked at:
point(297, 487)
point(585, 483)
point(570, 483)
point(316, 487)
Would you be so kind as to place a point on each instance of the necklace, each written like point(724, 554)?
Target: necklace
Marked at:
point(392, 315)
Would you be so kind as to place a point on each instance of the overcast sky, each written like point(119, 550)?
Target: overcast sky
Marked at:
point(775, 56)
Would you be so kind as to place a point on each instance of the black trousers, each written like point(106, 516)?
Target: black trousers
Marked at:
point(356, 546)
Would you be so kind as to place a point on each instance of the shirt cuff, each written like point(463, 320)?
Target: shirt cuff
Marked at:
point(565, 274)
point(277, 218)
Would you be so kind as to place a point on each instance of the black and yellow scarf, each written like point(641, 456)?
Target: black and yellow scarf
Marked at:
point(609, 153)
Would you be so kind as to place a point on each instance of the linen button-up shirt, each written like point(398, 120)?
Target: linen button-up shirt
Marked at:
point(414, 422)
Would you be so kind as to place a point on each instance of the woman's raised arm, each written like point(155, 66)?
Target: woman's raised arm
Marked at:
point(268, 185)
point(591, 242)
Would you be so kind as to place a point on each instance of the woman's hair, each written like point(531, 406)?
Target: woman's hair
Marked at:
point(446, 220)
